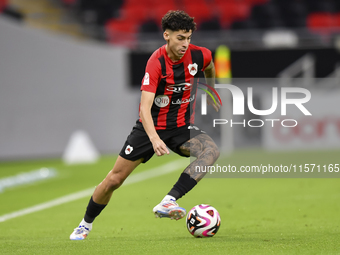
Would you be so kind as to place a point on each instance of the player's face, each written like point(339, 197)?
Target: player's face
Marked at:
point(178, 43)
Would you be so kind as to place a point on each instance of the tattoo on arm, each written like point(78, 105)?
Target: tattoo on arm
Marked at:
point(206, 152)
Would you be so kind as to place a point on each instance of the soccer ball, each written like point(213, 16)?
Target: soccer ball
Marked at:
point(203, 221)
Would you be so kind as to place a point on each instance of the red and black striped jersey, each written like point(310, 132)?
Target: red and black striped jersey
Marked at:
point(172, 83)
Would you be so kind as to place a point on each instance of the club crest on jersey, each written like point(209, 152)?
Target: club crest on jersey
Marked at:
point(128, 149)
point(193, 68)
point(146, 79)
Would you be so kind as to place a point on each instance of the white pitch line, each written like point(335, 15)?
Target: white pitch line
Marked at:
point(155, 172)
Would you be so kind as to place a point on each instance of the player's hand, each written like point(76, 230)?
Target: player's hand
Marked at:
point(159, 147)
point(211, 102)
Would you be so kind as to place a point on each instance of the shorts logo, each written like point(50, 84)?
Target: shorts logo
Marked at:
point(146, 79)
point(162, 100)
point(193, 69)
point(128, 149)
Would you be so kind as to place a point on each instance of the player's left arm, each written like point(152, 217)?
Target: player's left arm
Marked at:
point(209, 73)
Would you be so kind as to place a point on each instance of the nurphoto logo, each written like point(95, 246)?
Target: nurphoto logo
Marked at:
point(238, 106)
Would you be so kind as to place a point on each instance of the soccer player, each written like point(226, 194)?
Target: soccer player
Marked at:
point(166, 112)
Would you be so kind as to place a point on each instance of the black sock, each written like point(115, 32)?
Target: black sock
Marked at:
point(92, 211)
point(184, 184)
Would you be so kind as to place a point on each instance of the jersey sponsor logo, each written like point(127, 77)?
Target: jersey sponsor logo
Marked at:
point(196, 128)
point(193, 69)
point(184, 101)
point(146, 79)
point(162, 100)
point(179, 88)
point(128, 149)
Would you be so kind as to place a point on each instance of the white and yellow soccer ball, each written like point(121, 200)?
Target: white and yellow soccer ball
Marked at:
point(203, 221)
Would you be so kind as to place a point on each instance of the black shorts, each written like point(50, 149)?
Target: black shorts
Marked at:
point(138, 144)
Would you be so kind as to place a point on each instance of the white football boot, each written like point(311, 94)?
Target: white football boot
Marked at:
point(80, 233)
point(169, 209)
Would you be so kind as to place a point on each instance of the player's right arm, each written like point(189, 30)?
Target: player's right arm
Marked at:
point(146, 102)
point(150, 83)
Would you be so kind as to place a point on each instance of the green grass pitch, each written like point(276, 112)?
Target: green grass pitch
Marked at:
point(259, 215)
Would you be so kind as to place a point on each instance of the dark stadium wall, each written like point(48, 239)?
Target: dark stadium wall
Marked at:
point(255, 63)
point(269, 63)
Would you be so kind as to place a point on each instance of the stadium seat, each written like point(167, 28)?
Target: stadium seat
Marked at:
point(69, 2)
point(153, 2)
point(322, 22)
point(216, 2)
point(3, 4)
point(159, 10)
point(201, 12)
point(197, 2)
point(337, 20)
point(136, 13)
point(121, 32)
point(229, 12)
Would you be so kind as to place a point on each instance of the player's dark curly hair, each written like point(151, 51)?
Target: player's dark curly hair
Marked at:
point(178, 20)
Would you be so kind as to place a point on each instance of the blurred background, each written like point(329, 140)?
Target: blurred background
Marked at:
point(71, 65)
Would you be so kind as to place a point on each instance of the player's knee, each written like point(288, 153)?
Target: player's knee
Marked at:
point(114, 181)
point(217, 152)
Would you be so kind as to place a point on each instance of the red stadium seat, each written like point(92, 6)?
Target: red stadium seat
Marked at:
point(229, 12)
point(321, 22)
point(121, 32)
point(248, 2)
point(159, 10)
point(201, 12)
point(137, 12)
point(225, 1)
point(69, 2)
point(197, 2)
point(337, 20)
point(155, 3)
point(3, 4)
